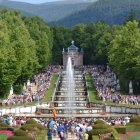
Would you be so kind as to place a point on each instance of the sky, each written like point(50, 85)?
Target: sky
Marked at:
point(35, 1)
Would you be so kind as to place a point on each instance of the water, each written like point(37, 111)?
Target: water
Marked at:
point(70, 85)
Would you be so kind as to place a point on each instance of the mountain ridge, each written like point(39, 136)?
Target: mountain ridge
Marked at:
point(109, 11)
point(51, 11)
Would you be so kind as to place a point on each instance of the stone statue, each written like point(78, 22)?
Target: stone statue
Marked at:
point(130, 87)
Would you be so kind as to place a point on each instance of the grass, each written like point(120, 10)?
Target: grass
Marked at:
point(49, 93)
point(134, 137)
point(91, 89)
point(93, 95)
point(3, 137)
point(133, 128)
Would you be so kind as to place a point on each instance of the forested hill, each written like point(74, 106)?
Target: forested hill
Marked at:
point(51, 11)
point(110, 11)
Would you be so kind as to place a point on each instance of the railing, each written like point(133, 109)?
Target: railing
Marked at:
point(116, 109)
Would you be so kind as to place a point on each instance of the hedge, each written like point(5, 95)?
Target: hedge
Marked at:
point(134, 123)
point(19, 138)
point(42, 135)
point(20, 133)
point(31, 121)
point(94, 137)
point(109, 138)
point(100, 121)
point(135, 119)
point(7, 128)
point(116, 135)
point(120, 129)
point(101, 126)
point(102, 131)
point(3, 124)
point(32, 127)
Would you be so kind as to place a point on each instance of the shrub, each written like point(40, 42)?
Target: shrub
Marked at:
point(20, 133)
point(3, 128)
point(110, 138)
point(18, 89)
point(10, 129)
point(94, 137)
point(121, 129)
point(19, 138)
point(134, 123)
point(102, 131)
point(31, 121)
point(135, 119)
point(100, 121)
point(116, 135)
point(32, 127)
point(101, 126)
point(41, 136)
point(3, 124)
point(7, 128)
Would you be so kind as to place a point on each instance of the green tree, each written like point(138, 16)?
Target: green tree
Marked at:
point(124, 52)
point(42, 36)
point(19, 48)
point(131, 17)
point(62, 38)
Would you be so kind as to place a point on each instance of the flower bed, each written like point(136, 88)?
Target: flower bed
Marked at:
point(6, 132)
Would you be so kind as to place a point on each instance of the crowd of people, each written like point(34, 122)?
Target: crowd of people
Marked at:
point(34, 90)
point(63, 128)
point(105, 81)
point(77, 127)
point(108, 88)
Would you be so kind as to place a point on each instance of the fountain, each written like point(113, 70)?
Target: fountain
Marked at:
point(70, 98)
point(70, 84)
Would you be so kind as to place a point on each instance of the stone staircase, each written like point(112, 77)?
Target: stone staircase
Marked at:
point(79, 102)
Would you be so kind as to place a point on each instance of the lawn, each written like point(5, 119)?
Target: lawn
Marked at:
point(134, 137)
point(49, 93)
point(3, 137)
point(91, 88)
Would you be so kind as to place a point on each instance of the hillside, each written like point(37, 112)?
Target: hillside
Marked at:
point(51, 11)
point(110, 11)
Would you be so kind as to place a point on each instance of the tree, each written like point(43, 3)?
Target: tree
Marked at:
point(17, 50)
point(42, 36)
point(62, 38)
point(131, 17)
point(124, 52)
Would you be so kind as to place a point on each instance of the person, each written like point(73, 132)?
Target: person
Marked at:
point(61, 135)
point(49, 134)
point(86, 136)
point(81, 134)
point(54, 113)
